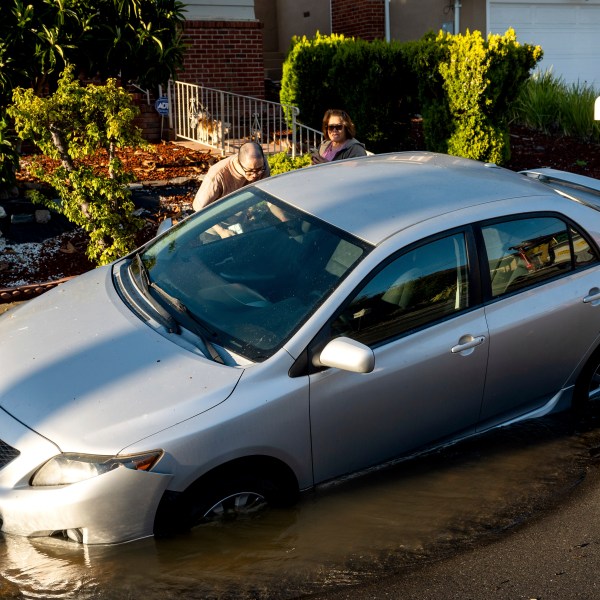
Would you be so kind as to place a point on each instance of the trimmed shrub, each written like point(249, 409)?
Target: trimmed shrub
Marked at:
point(370, 80)
point(467, 96)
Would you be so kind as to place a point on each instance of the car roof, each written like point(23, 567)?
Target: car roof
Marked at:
point(375, 196)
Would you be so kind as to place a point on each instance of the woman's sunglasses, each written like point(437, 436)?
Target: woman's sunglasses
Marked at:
point(335, 127)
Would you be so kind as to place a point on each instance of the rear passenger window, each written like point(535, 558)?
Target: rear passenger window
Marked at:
point(524, 252)
point(424, 285)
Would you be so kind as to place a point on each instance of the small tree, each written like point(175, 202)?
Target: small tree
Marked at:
point(74, 122)
point(135, 40)
point(467, 95)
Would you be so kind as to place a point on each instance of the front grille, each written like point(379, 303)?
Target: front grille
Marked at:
point(7, 453)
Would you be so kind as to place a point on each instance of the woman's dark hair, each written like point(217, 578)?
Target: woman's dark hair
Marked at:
point(346, 120)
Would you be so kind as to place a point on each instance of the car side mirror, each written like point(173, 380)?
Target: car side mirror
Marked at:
point(348, 355)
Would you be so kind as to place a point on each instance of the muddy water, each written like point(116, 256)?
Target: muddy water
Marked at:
point(341, 535)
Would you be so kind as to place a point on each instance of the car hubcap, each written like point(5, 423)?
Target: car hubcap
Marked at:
point(234, 506)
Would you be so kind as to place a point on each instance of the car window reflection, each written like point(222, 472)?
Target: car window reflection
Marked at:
point(422, 286)
point(524, 252)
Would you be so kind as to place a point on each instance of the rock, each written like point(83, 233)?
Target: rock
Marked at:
point(21, 218)
point(42, 216)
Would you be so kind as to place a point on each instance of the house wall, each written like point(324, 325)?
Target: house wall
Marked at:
point(364, 18)
point(227, 55)
point(217, 10)
point(267, 13)
point(411, 19)
point(286, 18)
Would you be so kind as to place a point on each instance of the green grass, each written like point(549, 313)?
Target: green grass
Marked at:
point(546, 103)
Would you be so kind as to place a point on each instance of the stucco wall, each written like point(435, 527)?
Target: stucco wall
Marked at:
point(286, 18)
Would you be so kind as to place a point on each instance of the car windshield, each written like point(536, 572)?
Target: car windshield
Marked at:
point(250, 269)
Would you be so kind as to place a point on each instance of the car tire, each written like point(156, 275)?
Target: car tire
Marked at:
point(587, 387)
point(224, 496)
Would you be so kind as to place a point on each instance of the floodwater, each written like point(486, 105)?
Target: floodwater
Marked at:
point(342, 535)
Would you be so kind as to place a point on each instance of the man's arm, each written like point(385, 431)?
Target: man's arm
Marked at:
point(209, 191)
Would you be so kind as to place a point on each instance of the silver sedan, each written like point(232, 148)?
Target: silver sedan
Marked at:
point(309, 326)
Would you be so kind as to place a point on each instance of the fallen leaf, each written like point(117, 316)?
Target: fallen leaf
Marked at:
point(68, 249)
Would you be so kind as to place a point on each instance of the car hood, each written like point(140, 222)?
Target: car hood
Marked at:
point(81, 369)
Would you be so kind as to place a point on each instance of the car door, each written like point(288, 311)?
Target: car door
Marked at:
point(540, 270)
point(430, 346)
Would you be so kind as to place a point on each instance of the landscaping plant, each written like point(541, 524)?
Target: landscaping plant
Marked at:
point(133, 40)
point(548, 104)
point(466, 103)
point(283, 162)
point(75, 122)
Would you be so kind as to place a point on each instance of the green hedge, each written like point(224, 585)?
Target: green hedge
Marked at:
point(462, 85)
point(369, 80)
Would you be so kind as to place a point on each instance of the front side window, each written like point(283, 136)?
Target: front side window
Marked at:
point(422, 286)
point(250, 269)
point(528, 251)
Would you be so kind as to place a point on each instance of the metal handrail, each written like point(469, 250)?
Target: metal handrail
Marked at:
point(224, 121)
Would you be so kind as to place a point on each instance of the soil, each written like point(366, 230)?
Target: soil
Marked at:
point(169, 174)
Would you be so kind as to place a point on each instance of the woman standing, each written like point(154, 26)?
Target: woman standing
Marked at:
point(339, 142)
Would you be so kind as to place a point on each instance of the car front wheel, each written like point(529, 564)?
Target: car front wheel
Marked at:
point(232, 497)
point(225, 495)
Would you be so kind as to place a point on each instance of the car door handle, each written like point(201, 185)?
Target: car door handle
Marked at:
point(467, 342)
point(593, 296)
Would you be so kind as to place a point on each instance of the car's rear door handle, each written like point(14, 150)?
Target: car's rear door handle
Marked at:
point(467, 342)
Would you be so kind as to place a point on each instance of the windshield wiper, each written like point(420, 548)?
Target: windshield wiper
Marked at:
point(164, 317)
point(188, 320)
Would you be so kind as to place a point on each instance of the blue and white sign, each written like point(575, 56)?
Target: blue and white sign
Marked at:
point(162, 106)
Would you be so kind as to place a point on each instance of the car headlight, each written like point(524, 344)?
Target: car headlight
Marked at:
point(68, 468)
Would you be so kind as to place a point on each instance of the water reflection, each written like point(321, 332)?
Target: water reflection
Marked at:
point(341, 535)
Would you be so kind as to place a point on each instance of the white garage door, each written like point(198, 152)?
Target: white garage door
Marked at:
point(567, 30)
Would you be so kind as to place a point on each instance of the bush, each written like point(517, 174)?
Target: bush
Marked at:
point(468, 95)
point(370, 80)
point(282, 162)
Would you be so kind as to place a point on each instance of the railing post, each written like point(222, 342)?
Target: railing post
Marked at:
point(221, 118)
point(169, 103)
point(295, 111)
